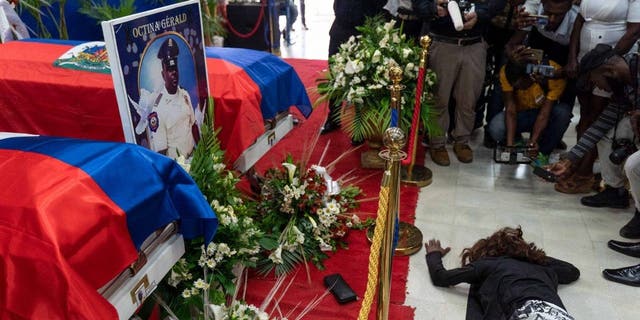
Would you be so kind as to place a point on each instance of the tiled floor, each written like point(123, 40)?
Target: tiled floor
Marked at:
point(468, 201)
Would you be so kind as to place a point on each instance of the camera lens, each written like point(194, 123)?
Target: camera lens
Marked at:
point(621, 150)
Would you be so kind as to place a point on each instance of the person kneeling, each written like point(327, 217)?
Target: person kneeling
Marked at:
point(531, 105)
point(510, 278)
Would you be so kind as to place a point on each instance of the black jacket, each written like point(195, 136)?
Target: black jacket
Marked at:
point(501, 285)
point(485, 9)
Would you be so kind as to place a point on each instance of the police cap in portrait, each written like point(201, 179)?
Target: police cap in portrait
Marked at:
point(168, 53)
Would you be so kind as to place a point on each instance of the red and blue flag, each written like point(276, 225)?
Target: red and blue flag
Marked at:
point(73, 215)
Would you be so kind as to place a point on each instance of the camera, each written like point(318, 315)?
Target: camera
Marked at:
point(465, 7)
point(541, 69)
point(621, 149)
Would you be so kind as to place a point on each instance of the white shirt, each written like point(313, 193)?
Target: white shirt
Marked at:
point(562, 34)
point(170, 123)
point(605, 21)
point(11, 26)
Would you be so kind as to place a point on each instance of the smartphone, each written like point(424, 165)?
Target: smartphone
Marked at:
point(541, 20)
point(544, 174)
point(534, 54)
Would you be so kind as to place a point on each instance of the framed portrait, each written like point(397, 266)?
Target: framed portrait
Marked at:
point(159, 72)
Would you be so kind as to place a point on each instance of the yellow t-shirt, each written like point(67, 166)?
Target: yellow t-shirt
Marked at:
point(530, 98)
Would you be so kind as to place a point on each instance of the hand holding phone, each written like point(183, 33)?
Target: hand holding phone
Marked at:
point(541, 20)
point(544, 174)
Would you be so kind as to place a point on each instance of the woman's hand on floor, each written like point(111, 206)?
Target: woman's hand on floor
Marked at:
point(434, 245)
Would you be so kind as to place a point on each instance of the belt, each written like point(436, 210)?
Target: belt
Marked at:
point(408, 17)
point(456, 41)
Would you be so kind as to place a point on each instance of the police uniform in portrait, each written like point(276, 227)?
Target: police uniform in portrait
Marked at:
point(172, 117)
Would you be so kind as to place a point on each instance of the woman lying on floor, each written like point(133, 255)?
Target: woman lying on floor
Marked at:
point(510, 278)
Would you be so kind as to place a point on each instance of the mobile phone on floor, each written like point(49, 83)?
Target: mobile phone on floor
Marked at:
point(544, 174)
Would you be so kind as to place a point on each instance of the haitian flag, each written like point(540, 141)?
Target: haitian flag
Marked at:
point(73, 215)
point(249, 88)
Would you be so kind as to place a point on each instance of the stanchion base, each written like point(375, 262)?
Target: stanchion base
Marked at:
point(420, 176)
point(409, 241)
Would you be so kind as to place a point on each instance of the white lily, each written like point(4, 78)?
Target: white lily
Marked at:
point(291, 169)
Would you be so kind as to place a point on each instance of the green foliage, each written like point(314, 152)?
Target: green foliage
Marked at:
point(211, 268)
point(43, 9)
point(359, 77)
point(213, 23)
point(103, 11)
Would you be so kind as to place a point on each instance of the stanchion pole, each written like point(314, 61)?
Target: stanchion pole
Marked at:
point(394, 140)
point(414, 174)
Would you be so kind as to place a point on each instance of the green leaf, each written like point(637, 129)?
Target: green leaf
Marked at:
point(269, 243)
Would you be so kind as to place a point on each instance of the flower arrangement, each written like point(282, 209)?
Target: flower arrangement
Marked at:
point(358, 75)
point(206, 274)
point(303, 213)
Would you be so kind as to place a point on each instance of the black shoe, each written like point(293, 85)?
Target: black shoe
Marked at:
point(329, 126)
point(629, 248)
point(631, 230)
point(488, 141)
point(610, 197)
point(629, 275)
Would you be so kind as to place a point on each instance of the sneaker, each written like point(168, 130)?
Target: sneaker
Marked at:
point(541, 161)
point(463, 152)
point(610, 197)
point(440, 156)
point(631, 230)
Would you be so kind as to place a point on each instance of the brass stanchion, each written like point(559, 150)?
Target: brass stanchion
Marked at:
point(411, 172)
point(394, 140)
point(409, 237)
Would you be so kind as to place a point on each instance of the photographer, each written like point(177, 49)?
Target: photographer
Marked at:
point(604, 69)
point(458, 58)
point(549, 28)
point(531, 105)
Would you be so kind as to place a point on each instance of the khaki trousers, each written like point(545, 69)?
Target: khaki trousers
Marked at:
point(460, 71)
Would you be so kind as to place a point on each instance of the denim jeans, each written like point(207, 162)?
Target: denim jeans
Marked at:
point(559, 119)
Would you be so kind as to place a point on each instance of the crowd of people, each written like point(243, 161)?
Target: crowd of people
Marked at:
point(519, 66)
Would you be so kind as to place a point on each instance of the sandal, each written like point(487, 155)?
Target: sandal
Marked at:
point(575, 184)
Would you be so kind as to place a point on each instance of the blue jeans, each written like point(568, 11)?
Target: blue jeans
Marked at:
point(559, 119)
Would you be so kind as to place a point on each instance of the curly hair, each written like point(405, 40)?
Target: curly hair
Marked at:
point(504, 242)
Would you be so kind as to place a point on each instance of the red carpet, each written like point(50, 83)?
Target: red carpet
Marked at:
point(351, 263)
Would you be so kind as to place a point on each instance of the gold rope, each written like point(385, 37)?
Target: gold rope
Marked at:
point(374, 254)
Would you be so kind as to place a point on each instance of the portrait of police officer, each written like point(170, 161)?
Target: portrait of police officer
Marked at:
point(172, 123)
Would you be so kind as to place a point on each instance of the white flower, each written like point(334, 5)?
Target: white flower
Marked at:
point(200, 284)
point(182, 161)
point(299, 235)
point(389, 25)
point(406, 52)
point(276, 256)
point(409, 69)
point(396, 39)
point(376, 56)
point(351, 67)
point(219, 167)
point(186, 293)
point(384, 41)
point(291, 169)
point(355, 219)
